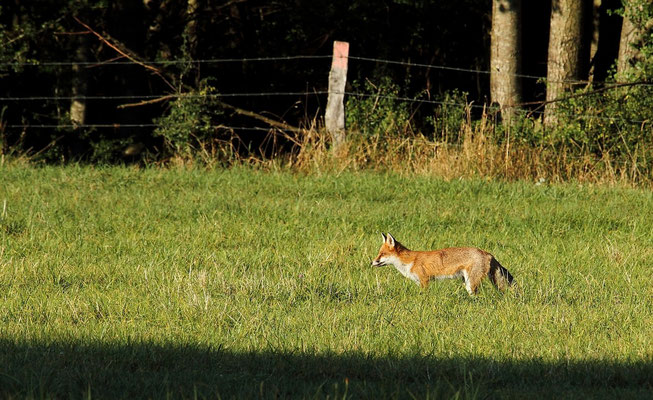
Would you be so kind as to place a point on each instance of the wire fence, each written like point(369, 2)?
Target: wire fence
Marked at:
point(160, 62)
point(132, 126)
point(146, 97)
point(153, 96)
point(288, 94)
point(121, 61)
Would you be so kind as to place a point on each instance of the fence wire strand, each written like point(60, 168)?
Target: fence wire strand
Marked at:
point(305, 94)
point(285, 58)
point(159, 62)
point(128, 126)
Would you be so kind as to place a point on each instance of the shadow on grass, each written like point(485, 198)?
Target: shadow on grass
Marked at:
point(143, 370)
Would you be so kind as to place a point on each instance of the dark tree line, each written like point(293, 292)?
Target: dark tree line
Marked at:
point(149, 48)
point(585, 40)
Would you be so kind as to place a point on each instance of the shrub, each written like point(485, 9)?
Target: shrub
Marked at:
point(377, 109)
point(189, 125)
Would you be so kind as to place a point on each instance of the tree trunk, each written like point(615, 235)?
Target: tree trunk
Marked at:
point(567, 52)
point(628, 53)
point(594, 45)
point(604, 47)
point(156, 11)
point(191, 39)
point(79, 83)
point(505, 55)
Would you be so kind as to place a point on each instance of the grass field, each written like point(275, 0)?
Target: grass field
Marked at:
point(123, 282)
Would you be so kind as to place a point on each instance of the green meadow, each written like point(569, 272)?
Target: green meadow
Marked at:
point(123, 282)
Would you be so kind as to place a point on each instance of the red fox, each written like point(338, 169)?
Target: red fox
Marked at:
point(469, 263)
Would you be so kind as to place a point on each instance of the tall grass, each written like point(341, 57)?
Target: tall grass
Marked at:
point(482, 149)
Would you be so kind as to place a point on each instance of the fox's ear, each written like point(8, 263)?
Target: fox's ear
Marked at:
point(390, 240)
point(384, 238)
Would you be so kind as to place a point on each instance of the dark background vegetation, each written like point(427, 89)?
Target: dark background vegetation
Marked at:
point(445, 33)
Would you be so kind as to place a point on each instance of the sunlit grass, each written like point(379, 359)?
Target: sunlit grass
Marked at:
point(266, 275)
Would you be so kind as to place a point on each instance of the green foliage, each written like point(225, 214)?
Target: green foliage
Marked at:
point(377, 110)
point(523, 129)
point(14, 42)
point(449, 116)
point(640, 13)
point(617, 122)
point(103, 149)
point(189, 124)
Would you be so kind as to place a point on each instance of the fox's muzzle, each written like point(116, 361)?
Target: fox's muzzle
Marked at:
point(377, 263)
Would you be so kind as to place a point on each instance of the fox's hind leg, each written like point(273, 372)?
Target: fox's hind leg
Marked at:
point(472, 281)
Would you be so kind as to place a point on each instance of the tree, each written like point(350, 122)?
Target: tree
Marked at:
point(605, 28)
point(191, 37)
point(79, 83)
point(634, 25)
point(568, 52)
point(505, 54)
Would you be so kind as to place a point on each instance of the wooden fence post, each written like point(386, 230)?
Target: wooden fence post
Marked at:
point(334, 117)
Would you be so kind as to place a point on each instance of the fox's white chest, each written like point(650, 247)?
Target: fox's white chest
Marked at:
point(405, 270)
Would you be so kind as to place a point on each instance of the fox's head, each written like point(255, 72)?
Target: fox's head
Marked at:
point(388, 253)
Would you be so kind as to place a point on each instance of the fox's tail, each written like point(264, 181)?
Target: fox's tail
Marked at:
point(499, 275)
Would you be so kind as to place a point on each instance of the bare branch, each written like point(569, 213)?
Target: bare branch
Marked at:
point(125, 53)
point(147, 102)
point(271, 122)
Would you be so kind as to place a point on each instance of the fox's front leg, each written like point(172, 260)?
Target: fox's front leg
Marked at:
point(423, 282)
